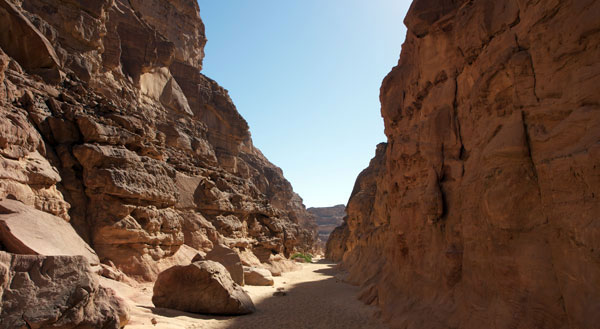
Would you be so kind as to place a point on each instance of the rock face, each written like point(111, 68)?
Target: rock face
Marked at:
point(327, 219)
point(25, 230)
point(256, 276)
point(483, 207)
point(230, 260)
point(202, 287)
point(106, 122)
point(57, 292)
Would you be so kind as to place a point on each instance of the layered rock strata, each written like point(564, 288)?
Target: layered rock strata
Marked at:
point(327, 219)
point(107, 123)
point(482, 210)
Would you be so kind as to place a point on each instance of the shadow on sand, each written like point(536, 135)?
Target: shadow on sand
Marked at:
point(170, 313)
point(325, 302)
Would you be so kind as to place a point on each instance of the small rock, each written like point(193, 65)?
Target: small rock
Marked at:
point(258, 276)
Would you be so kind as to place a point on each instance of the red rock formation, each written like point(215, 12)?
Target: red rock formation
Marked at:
point(24, 230)
point(56, 292)
point(483, 209)
point(327, 219)
point(201, 287)
point(126, 140)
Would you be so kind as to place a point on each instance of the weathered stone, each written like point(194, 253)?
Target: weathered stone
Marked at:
point(138, 149)
point(276, 264)
point(22, 41)
point(202, 287)
point(199, 257)
point(230, 259)
point(25, 230)
point(483, 206)
point(327, 219)
point(57, 292)
point(255, 276)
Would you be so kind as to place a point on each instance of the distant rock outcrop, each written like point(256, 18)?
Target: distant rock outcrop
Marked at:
point(107, 123)
point(482, 210)
point(327, 219)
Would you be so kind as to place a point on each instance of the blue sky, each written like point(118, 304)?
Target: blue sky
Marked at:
point(306, 75)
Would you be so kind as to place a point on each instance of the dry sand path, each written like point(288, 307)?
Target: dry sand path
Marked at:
point(314, 299)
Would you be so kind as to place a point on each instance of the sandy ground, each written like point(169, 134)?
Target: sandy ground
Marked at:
point(314, 299)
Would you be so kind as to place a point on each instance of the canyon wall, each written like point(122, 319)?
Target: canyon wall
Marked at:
point(481, 211)
point(107, 122)
point(327, 219)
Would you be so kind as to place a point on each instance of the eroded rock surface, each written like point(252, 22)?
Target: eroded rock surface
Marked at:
point(201, 287)
point(327, 219)
point(25, 230)
point(483, 207)
point(55, 292)
point(126, 140)
point(256, 276)
point(228, 258)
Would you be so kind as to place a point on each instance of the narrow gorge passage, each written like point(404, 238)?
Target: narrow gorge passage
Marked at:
point(314, 298)
point(134, 194)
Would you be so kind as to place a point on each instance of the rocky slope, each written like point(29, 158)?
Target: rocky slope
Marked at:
point(327, 219)
point(482, 209)
point(107, 122)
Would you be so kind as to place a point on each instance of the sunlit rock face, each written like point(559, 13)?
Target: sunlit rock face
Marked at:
point(327, 219)
point(107, 123)
point(482, 210)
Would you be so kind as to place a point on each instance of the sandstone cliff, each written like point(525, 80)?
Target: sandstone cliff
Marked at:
point(482, 210)
point(107, 122)
point(327, 219)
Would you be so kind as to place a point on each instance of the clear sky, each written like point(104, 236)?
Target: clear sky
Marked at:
point(306, 76)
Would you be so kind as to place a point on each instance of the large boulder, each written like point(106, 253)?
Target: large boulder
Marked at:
point(201, 287)
point(57, 292)
point(25, 230)
point(230, 259)
point(256, 276)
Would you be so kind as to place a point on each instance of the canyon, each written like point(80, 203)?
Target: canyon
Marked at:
point(114, 146)
point(126, 174)
point(481, 209)
point(108, 124)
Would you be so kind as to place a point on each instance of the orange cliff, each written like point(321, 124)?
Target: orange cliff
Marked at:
point(481, 210)
point(107, 123)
